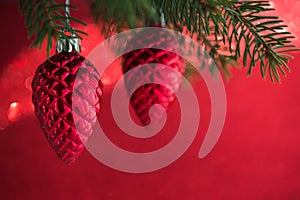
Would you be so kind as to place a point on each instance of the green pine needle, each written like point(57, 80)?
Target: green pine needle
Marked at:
point(44, 20)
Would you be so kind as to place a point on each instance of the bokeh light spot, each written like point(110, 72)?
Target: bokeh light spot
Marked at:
point(14, 112)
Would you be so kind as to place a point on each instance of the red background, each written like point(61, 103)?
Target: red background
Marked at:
point(257, 156)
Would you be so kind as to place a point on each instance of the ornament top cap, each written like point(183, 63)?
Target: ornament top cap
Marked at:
point(68, 43)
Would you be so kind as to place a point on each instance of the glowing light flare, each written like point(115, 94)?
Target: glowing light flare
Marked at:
point(112, 74)
point(89, 42)
point(14, 112)
point(289, 12)
point(20, 60)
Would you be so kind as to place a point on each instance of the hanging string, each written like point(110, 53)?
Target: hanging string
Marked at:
point(67, 11)
point(162, 18)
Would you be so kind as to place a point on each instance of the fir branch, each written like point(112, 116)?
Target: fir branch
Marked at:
point(223, 24)
point(265, 39)
point(203, 19)
point(45, 19)
point(116, 16)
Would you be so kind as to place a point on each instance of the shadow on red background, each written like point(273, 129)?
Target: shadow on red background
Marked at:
point(257, 156)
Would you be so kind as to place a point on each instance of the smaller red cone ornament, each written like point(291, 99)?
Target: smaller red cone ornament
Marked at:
point(147, 95)
point(52, 97)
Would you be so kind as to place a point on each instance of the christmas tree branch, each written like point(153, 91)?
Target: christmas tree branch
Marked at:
point(44, 21)
point(116, 16)
point(204, 19)
point(228, 29)
point(264, 37)
point(229, 23)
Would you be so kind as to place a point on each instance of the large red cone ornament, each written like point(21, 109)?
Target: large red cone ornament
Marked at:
point(53, 92)
point(147, 95)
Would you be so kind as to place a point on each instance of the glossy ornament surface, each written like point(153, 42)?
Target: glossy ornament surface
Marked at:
point(149, 94)
point(53, 92)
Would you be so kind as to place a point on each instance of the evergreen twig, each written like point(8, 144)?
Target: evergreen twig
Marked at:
point(265, 38)
point(116, 16)
point(45, 19)
point(228, 23)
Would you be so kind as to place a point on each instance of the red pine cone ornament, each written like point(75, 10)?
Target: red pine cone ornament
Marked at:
point(147, 95)
point(53, 86)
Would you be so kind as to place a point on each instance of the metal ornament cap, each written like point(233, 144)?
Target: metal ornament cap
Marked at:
point(68, 45)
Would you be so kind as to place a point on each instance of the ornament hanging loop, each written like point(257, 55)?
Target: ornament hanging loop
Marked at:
point(162, 18)
point(68, 40)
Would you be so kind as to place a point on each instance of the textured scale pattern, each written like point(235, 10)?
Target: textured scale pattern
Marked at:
point(52, 97)
point(147, 95)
